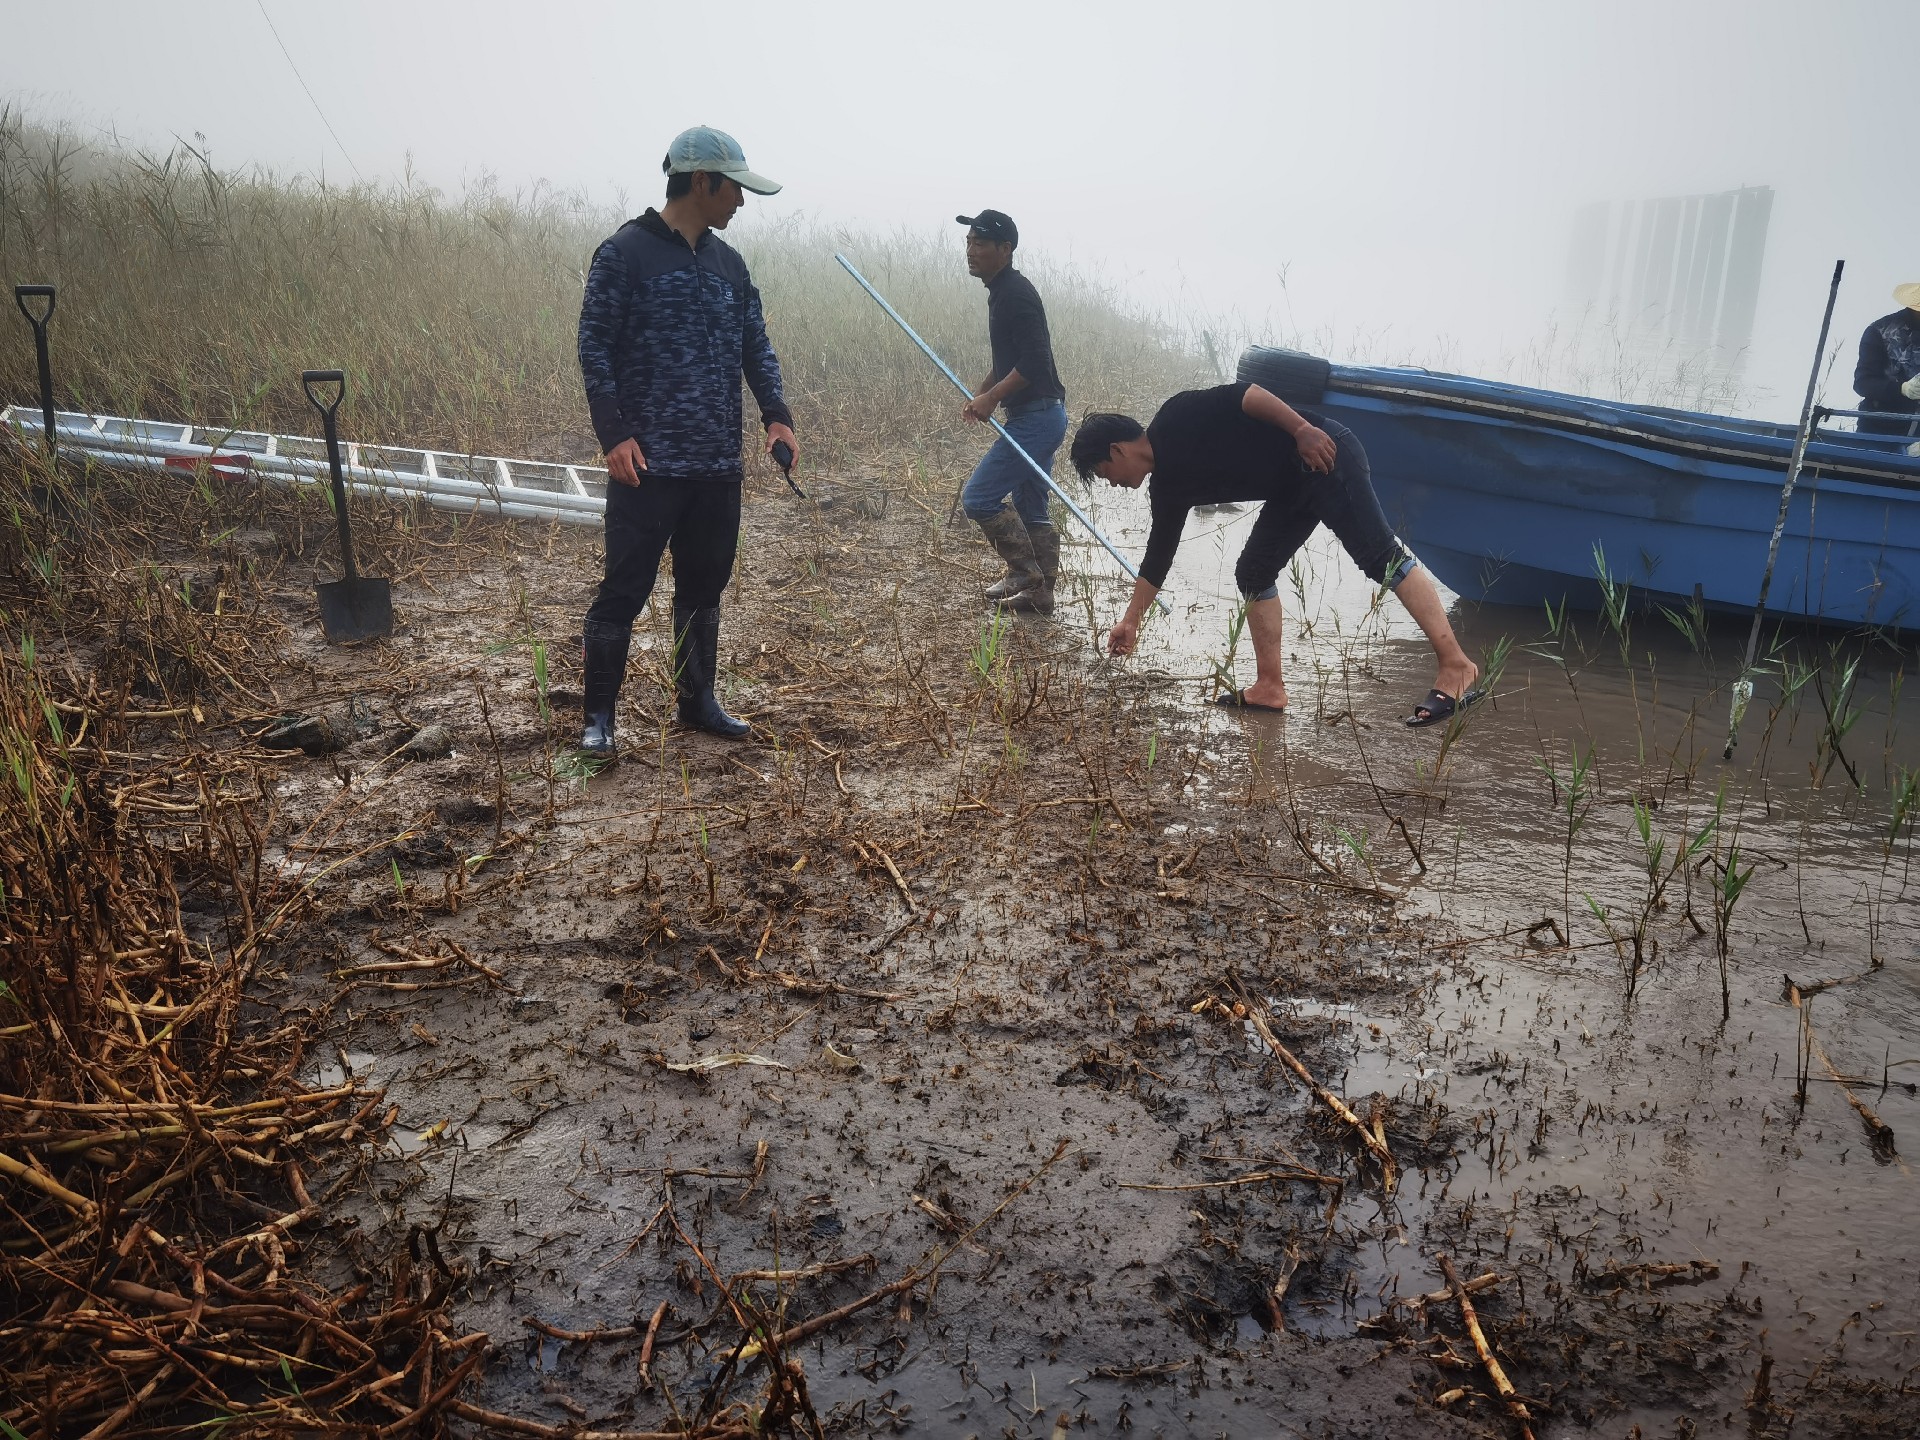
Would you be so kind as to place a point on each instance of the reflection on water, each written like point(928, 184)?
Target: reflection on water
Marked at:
point(1584, 818)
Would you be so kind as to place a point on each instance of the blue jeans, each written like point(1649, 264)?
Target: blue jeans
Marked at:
point(1001, 472)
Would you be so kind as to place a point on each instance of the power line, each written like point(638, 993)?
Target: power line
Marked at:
point(303, 85)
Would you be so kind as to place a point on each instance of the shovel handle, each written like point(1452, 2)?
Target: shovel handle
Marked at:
point(23, 293)
point(311, 378)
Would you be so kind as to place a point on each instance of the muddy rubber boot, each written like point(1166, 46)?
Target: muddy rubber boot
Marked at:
point(1037, 597)
point(1008, 536)
point(604, 658)
point(696, 664)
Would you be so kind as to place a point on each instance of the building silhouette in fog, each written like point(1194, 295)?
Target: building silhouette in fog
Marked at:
point(1678, 273)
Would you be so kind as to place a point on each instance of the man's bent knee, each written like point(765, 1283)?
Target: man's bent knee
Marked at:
point(1256, 578)
point(1402, 566)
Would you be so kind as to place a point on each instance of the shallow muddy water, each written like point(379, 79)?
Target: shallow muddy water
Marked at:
point(1015, 890)
point(1612, 1131)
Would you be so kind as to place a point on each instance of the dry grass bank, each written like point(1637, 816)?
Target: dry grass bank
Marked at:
point(195, 293)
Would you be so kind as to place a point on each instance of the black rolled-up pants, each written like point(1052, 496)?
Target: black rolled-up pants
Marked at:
point(1343, 501)
point(698, 520)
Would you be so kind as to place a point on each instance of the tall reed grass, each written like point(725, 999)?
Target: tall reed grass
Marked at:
point(193, 292)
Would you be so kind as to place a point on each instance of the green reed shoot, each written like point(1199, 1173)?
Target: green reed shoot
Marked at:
point(1659, 872)
point(1358, 844)
point(1726, 894)
point(988, 655)
point(577, 765)
point(1222, 667)
point(1906, 804)
point(1688, 860)
point(1653, 848)
point(540, 680)
point(1297, 579)
point(1795, 675)
point(1614, 598)
point(1690, 621)
point(1560, 633)
point(1599, 912)
point(1841, 716)
point(1571, 801)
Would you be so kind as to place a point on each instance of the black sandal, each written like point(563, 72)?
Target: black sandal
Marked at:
point(1237, 700)
point(1438, 708)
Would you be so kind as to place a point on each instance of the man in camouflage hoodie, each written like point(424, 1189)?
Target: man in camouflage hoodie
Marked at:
point(670, 322)
point(1887, 379)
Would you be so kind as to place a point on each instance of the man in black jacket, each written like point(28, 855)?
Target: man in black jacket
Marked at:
point(669, 323)
point(1888, 375)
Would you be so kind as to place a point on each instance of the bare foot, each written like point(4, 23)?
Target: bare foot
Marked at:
point(1456, 680)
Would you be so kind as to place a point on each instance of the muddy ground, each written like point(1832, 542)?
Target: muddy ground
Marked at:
point(980, 904)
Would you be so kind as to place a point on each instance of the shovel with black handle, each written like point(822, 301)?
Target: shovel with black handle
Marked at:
point(354, 607)
point(21, 294)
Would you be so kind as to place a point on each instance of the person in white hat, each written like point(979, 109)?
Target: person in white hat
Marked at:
point(1887, 379)
point(669, 324)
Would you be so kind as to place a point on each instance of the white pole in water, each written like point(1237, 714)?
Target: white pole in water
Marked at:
point(1743, 687)
point(961, 386)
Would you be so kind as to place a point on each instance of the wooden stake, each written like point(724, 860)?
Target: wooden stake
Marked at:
point(1375, 1143)
point(1516, 1407)
point(1878, 1131)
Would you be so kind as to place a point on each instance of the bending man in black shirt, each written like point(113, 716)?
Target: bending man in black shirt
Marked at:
point(1238, 442)
point(1024, 380)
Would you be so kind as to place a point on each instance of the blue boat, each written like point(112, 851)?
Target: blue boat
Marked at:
point(1515, 496)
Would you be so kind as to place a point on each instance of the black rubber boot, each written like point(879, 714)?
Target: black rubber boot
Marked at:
point(1037, 597)
point(604, 658)
point(696, 664)
point(1008, 536)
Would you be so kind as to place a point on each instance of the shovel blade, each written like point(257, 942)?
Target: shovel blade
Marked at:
point(359, 609)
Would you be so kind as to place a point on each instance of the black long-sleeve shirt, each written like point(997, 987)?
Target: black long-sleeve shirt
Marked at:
point(1208, 451)
point(1889, 357)
point(1017, 329)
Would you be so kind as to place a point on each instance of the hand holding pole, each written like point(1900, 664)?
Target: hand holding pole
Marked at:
point(1000, 429)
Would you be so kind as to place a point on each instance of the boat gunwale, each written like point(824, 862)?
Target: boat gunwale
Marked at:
point(1820, 459)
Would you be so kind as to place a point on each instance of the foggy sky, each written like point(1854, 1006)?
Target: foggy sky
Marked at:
point(1412, 169)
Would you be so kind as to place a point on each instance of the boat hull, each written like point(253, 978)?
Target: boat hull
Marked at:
point(1511, 500)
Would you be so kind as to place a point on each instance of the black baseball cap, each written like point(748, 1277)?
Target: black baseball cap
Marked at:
point(994, 225)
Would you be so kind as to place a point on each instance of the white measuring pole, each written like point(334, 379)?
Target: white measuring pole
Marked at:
point(961, 386)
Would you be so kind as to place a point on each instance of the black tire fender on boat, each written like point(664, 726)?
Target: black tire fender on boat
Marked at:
point(1293, 375)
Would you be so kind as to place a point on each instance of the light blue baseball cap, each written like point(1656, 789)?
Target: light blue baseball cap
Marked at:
point(717, 153)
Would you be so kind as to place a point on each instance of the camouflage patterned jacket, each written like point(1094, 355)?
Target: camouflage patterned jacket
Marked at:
point(666, 330)
point(1889, 356)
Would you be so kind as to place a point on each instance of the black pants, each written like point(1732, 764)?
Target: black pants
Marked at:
point(1343, 501)
point(699, 520)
